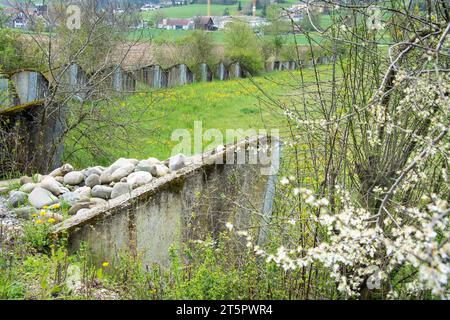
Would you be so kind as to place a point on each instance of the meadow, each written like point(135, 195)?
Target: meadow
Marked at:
point(233, 104)
point(191, 10)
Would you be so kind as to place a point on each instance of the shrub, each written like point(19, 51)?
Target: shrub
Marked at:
point(242, 45)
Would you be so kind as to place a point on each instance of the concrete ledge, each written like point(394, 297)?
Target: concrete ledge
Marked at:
point(167, 211)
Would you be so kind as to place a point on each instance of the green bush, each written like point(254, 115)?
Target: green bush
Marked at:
point(242, 45)
point(15, 53)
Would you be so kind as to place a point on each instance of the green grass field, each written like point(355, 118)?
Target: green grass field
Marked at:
point(192, 10)
point(234, 104)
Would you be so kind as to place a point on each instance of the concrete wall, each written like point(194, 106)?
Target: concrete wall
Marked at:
point(179, 75)
point(189, 204)
point(30, 86)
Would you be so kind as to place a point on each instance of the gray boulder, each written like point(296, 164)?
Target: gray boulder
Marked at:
point(82, 211)
point(17, 198)
point(74, 178)
point(143, 165)
point(153, 160)
point(61, 171)
point(122, 162)
point(177, 162)
point(103, 192)
point(119, 189)
point(71, 198)
point(4, 190)
point(97, 202)
point(122, 172)
point(67, 168)
point(28, 187)
point(159, 170)
point(49, 183)
point(92, 180)
point(41, 197)
point(78, 206)
point(137, 179)
point(106, 176)
point(24, 180)
point(60, 179)
point(84, 192)
point(95, 170)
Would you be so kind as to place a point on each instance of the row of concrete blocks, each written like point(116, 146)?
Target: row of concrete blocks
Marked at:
point(30, 86)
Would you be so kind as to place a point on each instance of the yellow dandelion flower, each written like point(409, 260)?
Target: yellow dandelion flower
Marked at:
point(55, 206)
point(42, 213)
point(45, 207)
point(105, 264)
point(34, 215)
point(39, 221)
point(51, 220)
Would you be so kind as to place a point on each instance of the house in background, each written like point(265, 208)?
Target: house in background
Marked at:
point(18, 19)
point(176, 24)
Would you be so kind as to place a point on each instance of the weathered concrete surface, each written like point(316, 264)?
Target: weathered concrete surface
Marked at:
point(188, 204)
point(179, 75)
point(221, 72)
point(154, 76)
point(30, 86)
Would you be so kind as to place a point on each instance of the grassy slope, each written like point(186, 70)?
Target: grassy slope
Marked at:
point(234, 104)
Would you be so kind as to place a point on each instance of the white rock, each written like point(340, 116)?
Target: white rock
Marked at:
point(92, 180)
point(41, 197)
point(153, 161)
point(119, 189)
point(121, 163)
point(106, 176)
point(56, 173)
point(78, 206)
point(95, 170)
point(84, 192)
point(49, 183)
point(144, 165)
point(24, 180)
point(177, 162)
point(103, 192)
point(123, 172)
point(60, 179)
point(71, 198)
point(82, 211)
point(63, 190)
point(17, 198)
point(74, 178)
point(137, 179)
point(159, 170)
point(97, 202)
point(28, 187)
point(67, 168)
